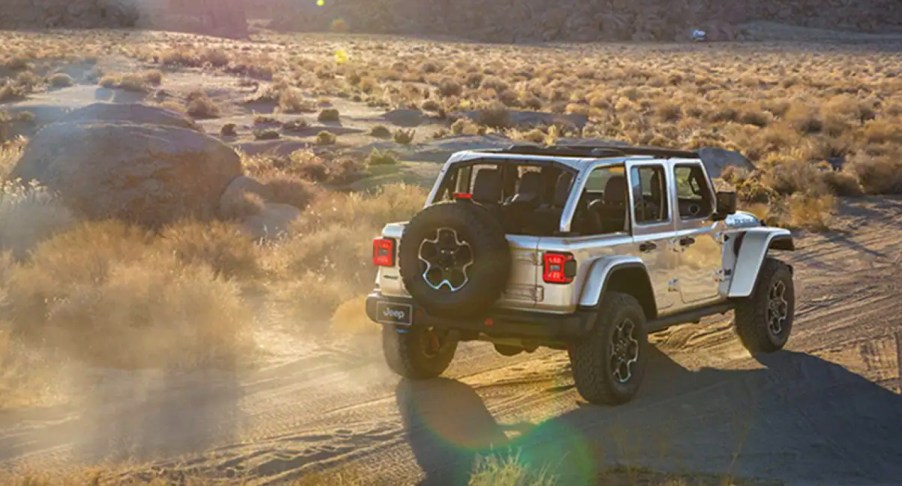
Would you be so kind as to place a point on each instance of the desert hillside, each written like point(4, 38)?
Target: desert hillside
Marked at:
point(496, 21)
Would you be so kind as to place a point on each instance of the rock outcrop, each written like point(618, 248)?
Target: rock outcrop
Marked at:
point(151, 169)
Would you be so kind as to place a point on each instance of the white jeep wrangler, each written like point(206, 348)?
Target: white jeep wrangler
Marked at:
point(586, 249)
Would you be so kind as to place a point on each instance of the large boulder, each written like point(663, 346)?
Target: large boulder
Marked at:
point(133, 113)
point(717, 160)
point(145, 172)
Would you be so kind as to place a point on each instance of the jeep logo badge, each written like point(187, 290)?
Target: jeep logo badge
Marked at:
point(394, 313)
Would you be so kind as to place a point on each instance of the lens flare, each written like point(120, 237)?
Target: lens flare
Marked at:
point(320, 3)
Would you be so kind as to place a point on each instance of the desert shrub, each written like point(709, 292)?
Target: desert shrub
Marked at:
point(214, 56)
point(668, 111)
point(381, 157)
point(329, 115)
point(396, 202)
point(28, 215)
point(334, 250)
point(789, 177)
point(842, 183)
point(509, 97)
point(292, 101)
point(290, 189)
point(803, 118)
point(266, 134)
point(201, 106)
point(882, 131)
point(474, 80)
point(309, 165)
point(10, 152)
point(240, 206)
point(326, 138)
point(431, 105)
point(496, 116)
point(229, 130)
point(381, 131)
point(61, 80)
point(878, 174)
point(11, 92)
point(220, 245)
point(296, 125)
point(136, 82)
point(153, 76)
point(465, 126)
point(811, 211)
point(449, 87)
point(405, 137)
point(495, 83)
point(128, 306)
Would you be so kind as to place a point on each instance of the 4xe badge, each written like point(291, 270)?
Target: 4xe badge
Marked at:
point(395, 313)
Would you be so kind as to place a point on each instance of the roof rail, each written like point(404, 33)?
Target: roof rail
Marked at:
point(597, 151)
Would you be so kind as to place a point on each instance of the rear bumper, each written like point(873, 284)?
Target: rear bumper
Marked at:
point(497, 322)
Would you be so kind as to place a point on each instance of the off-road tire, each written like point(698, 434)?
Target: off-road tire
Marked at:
point(752, 321)
point(490, 254)
point(591, 358)
point(406, 354)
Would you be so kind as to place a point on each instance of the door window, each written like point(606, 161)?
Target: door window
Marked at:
point(649, 195)
point(693, 192)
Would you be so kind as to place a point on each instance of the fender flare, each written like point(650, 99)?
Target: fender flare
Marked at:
point(599, 275)
point(755, 245)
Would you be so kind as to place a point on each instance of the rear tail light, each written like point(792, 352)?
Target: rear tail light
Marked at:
point(560, 268)
point(384, 252)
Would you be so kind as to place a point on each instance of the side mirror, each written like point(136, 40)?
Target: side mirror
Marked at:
point(726, 205)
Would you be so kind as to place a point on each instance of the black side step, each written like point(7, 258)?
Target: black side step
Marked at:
point(687, 316)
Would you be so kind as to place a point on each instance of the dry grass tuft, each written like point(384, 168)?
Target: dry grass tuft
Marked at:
point(61, 80)
point(201, 106)
point(136, 82)
point(329, 115)
point(219, 245)
point(508, 470)
point(405, 137)
point(381, 157)
point(133, 305)
point(28, 215)
point(326, 138)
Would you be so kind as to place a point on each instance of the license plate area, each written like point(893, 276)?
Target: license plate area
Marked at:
point(391, 313)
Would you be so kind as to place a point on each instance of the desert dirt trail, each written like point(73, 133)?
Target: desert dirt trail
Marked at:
point(826, 410)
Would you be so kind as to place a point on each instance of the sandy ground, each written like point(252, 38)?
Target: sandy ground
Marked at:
point(827, 409)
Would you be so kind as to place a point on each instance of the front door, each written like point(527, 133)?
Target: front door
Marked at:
point(652, 228)
point(699, 246)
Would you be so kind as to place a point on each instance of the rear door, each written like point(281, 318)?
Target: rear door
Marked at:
point(651, 214)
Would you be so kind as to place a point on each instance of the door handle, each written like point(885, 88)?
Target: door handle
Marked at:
point(647, 247)
point(687, 241)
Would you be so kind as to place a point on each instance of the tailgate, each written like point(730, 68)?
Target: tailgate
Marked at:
point(522, 289)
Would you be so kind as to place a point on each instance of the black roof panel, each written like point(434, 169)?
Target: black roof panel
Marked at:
point(594, 151)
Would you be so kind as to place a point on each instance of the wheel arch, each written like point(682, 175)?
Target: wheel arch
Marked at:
point(755, 245)
point(625, 274)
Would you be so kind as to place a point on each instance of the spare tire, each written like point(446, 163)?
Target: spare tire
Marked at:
point(454, 258)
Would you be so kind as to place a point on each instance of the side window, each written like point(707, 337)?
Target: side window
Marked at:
point(693, 192)
point(649, 194)
point(603, 208)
